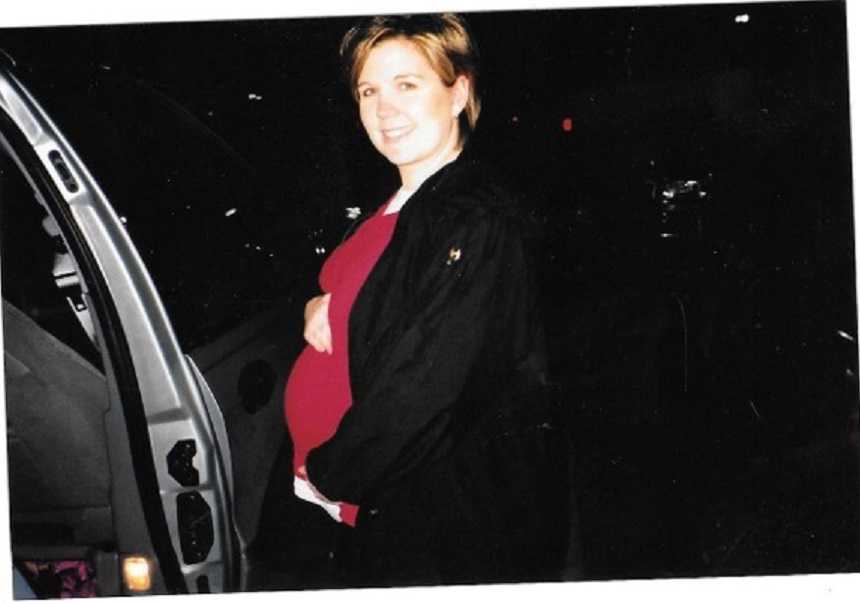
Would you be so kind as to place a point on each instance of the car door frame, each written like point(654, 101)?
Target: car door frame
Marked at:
point(162, 402)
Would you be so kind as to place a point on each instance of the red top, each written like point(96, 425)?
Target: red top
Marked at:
point(318, 390)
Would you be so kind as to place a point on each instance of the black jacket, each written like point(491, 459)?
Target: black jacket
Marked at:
point(450, 446)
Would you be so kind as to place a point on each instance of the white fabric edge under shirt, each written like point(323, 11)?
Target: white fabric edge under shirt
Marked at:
point(306, 492)
point(399, 200)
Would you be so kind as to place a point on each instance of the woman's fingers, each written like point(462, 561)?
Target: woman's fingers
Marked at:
point(317, 330)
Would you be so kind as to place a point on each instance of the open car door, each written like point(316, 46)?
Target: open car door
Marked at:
point(128, 413)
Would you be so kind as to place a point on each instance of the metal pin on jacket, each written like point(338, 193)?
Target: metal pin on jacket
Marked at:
point(453, 256)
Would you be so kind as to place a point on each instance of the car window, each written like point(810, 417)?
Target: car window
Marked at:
point(218, 252)
point(38, 275)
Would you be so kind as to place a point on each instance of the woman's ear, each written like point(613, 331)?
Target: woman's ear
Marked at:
point(461, 94)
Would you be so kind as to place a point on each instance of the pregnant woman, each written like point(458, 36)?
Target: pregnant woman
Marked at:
point(418, 410)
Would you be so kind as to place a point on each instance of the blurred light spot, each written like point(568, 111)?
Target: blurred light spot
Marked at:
point(567, 124)
point(137, 573)
point(515, 119)
point(353, 213)
point(845, 335)
point(744, 18)
point(105, 67)
point(254, 97)
point(230, 212)
point(320, 250)
point(123, 219)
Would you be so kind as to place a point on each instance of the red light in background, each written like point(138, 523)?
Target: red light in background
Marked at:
point(567, 124)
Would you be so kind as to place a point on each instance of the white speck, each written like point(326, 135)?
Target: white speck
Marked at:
point(210, 113)
point(123, 219)
point(845, 335)
point(353, 213)
point(247, 245)
point(230, 212)
point(105, 67)
point(320, 250)
point(187, 207)
point(667, 235)
point(254, 97)
point(258, 248)
point(752, 404)
point(744, 18)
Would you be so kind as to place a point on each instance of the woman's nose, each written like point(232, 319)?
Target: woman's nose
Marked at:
point(384, 105)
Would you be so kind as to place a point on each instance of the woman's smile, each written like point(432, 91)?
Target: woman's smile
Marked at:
point(396, 134)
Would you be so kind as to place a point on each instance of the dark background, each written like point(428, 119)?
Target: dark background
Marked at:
point(697, 255)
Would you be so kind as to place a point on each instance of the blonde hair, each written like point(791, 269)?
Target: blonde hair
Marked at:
point(443, 39)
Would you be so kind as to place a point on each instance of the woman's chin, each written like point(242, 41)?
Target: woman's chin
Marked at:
point(398, 157)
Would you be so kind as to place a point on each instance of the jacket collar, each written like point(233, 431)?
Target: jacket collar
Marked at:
point(467, 182)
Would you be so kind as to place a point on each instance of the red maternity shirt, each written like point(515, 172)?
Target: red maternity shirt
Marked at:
point(318, 391)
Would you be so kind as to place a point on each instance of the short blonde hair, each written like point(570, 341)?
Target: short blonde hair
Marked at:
point(444, 39)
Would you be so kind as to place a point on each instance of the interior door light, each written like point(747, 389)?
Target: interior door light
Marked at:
point(137, 573)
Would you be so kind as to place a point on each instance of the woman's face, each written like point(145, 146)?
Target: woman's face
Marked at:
point(408, 112)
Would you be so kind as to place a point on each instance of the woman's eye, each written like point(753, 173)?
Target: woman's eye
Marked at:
point(406, 85)
point(366, 92)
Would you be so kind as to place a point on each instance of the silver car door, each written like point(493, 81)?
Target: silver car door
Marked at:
point(174, 507)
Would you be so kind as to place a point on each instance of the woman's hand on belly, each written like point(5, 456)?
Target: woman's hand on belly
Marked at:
point(317, 328)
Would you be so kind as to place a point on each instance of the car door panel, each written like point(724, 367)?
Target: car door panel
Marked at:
point(171, 407)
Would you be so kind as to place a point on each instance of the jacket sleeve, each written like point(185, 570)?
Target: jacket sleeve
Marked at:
point(474, 272)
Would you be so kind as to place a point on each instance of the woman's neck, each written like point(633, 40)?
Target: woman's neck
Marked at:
point(413, 177)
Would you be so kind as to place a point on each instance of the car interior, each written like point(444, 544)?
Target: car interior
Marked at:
point(56, 390)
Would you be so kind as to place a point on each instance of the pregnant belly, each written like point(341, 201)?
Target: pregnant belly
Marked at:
point(316, 397)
